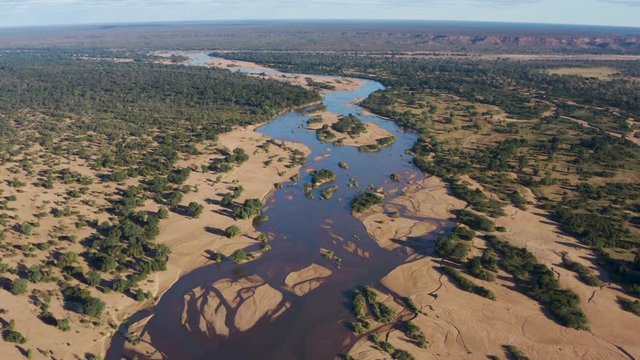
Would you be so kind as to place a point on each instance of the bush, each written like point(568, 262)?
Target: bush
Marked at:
point(232, 231)
point(464, 284)
point(476, 270)
point(360, 327)
point(93, 278)
point(450, 247)
point(194, 210)
point(541, 284)
point(477, 199)
point(322, 176)
point(105, 263)
point(402, 355)
point(15, 337)
point(365, 201)
point(515, 353)
point(584, 274)
point(81, 301)
point(64, 325)
point(474, 221)
point(239, 256)
point(463, 233)
point(34, 274)
point(350, 125)
point(19, 286)
point(163, 213)
point(250, 209)
point(359, 305)
point(630, 305)
point(414, 333)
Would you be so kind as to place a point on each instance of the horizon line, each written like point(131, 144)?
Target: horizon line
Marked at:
point(310, 20)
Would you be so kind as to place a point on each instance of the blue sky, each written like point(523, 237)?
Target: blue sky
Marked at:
point(48, 12)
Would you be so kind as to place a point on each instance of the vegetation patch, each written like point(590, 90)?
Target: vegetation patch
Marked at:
point(465, 284)
point(365, 201)
point(540, 283)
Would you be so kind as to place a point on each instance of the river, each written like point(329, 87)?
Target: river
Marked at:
point(316, 326)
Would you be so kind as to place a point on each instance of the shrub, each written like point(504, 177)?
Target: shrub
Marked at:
point(414, 333)
point(93, 278)
point(232, 231)
point(463, 233)
point(359, 305)
point(474, 221)
point(465, 284)
point(476, 270)
point(402, 355)
point(630, 305)
point(477, 200)
point(63, 324)
point(515, 353)
point(26, 228)
point(34, 274)
point(450, 247)
point(194, 209)
point(360, 327)
point(239, 256)
point(584, 274)
point(350, 125)
point(15, 337)
point(81, 301)
point(365, 201)
point(249, 209)
point(322, 176)
point(19, 286)
point(163, 213)
point(540, 284)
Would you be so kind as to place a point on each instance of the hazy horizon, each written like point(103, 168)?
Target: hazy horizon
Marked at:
point(28, 13)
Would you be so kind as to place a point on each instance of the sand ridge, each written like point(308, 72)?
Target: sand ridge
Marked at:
point(303, 281)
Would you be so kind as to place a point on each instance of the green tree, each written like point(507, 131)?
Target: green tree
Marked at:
point(93, 278)
point(232, 231)
point(194, 209)
point(19, 286)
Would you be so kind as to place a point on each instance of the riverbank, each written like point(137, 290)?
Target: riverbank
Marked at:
point(461, 325)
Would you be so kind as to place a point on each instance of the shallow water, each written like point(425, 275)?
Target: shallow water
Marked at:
point(316, 325)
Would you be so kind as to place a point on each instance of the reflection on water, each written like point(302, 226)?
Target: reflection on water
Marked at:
point(316, 325)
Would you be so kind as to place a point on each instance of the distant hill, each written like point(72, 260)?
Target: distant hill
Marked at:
point(335, 36)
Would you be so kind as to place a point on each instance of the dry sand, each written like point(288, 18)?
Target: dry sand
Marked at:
point(461, 325)
point(245, 301)
point(423, 201)
point(303, 281)
point(187, 238)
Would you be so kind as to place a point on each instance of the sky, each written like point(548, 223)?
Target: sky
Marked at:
point(56, 12)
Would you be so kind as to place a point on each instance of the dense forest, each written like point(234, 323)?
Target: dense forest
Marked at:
point(123, 102)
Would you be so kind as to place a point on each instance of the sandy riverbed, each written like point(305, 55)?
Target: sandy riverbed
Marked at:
point(461, 325)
